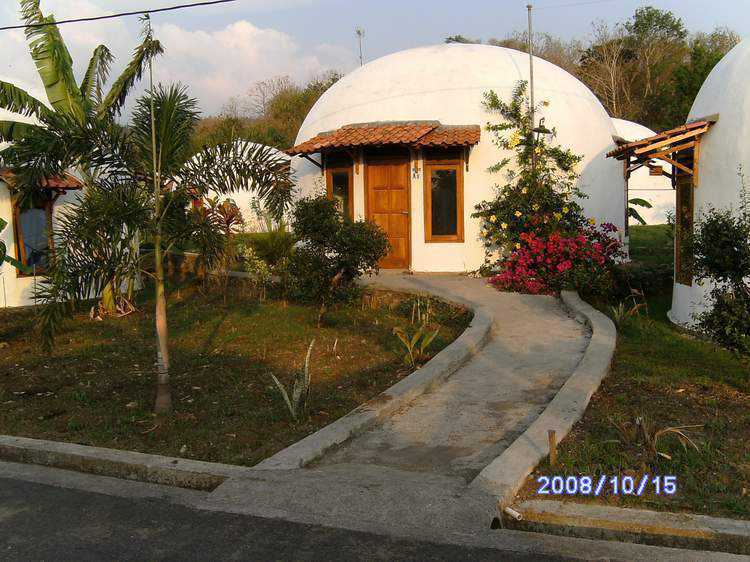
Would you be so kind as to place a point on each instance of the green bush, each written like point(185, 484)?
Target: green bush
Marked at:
point(333, 252)
point(272, 246)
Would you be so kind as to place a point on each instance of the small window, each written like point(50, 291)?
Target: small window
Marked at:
point(339, 184)
point(33, 241)
point(444, 200)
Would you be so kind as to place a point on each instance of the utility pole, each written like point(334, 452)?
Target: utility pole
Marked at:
point(360, 32)
point(532, 125)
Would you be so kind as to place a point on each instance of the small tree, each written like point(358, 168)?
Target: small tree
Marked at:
point(333, 251)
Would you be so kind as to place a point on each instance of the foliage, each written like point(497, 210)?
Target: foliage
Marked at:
point(548, 264)
point(633, 212)
point(333, 251)
point(84, 102)
point(415, 344)
point(297, 403)
point(539, 198)
point(722, 256)
point(271, 113)
point(259, 270)
point(4, 257)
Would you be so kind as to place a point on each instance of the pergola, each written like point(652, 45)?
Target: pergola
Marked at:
point(679, 149)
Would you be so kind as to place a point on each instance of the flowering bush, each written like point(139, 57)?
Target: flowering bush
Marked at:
point(542, 264)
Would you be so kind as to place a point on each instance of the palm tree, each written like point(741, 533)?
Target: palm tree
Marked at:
point(633, 212)
point(144, 179)
point(84, 101)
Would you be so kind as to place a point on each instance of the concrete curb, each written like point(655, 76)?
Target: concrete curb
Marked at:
point(504, 476)
point(676, 530)
point(365, 416)
point(129, 465)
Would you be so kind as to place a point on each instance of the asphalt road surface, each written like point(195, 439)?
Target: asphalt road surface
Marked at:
point(39, 522)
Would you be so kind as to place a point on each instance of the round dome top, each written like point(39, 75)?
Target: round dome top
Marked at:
point(726, 93)
point(631, 131)
point(447, 83)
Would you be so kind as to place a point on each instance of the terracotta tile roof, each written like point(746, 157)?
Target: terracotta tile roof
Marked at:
point(410, 133)
point(451, 135)
point(695, 127)
point(62, 183)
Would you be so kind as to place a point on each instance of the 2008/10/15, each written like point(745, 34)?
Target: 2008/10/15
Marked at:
point(616, 485)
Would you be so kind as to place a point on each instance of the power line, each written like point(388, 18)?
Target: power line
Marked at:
point(121, 14)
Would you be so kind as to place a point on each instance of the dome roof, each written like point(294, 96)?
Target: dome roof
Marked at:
point(630, 130)
point(447, 83)
point(725, 92)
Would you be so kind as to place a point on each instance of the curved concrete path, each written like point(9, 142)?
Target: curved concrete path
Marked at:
point(462, 425)
point(411, 473)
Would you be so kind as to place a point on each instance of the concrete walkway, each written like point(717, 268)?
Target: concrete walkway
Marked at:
point(461, 426)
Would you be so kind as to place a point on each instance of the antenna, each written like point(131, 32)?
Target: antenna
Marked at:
point(360, 32)
point(529, 7)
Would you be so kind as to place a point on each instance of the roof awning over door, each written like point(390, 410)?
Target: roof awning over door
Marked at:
point(415, 134)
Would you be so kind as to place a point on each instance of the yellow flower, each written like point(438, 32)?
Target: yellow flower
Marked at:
point(518, 214)
point(493, 218)
point(515, 140)
point(538, 150)
point(558, 216)
point(535, 206)
point(524, 191)
point(592, 221)
point(518, 246)
point(565, 210)
point(504, 225)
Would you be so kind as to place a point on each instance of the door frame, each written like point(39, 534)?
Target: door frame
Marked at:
point(394, 155)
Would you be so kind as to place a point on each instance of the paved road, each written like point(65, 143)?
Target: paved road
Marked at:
point(39, 522)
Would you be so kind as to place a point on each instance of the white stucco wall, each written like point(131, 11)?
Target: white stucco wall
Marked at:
point(724, 148)
point(446, 83)
point(14, 290)
point(657, 190)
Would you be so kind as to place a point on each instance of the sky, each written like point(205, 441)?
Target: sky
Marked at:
point(221, 51)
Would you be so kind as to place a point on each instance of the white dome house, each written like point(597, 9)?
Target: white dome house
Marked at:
point(377, 136)
point(656, 189)
point(724, 98)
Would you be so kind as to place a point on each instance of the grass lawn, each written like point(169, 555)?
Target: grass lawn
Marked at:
point(667, 378)
point(97, 386)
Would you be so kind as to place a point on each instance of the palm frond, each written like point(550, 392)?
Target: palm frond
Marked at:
point(633, 214)
point(96, 75)
point(14, 131)
point(118, 93)
point(53, 61)
point(17, 100)
point(242, 166)
point(640, 202)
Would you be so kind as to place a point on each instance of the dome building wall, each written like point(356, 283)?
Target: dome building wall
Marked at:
point(724, 148)
point(446, 83)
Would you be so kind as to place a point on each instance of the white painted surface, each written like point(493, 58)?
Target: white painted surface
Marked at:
point(657, 190)
point(724, 148)
point(446, 83)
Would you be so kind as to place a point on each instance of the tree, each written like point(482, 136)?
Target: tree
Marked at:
point(145, 181)
point(565, 54)
point(84, 101)
point(461, 39)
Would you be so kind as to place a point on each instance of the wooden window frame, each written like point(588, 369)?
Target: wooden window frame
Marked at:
point(437, 163)
point(348, 169)
point(47, 206)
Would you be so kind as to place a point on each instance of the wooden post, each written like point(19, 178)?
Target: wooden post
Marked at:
point(552, 448)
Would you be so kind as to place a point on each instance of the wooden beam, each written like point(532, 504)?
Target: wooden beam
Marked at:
point(671, 141)
point(677, 165)
point(696, 161)
point(672, 150)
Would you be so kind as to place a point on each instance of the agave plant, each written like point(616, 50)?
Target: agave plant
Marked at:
point(297, 402)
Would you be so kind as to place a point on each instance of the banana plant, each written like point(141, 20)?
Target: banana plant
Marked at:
point(633, 212)
point(4, 257)
point(84, 101)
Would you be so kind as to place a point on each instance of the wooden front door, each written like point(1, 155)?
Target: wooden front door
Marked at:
point(387, 187)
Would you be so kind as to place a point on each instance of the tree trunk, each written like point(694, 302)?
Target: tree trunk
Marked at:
point(163, 402)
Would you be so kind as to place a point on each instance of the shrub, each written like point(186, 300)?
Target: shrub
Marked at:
point(333, 251)
point(548, 264)
point(722, 256)
point(258, 269)
point(272, 246)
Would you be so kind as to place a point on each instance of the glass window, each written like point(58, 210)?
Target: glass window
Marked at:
point(340, 190)
point(32, 238)
point(444, 198)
